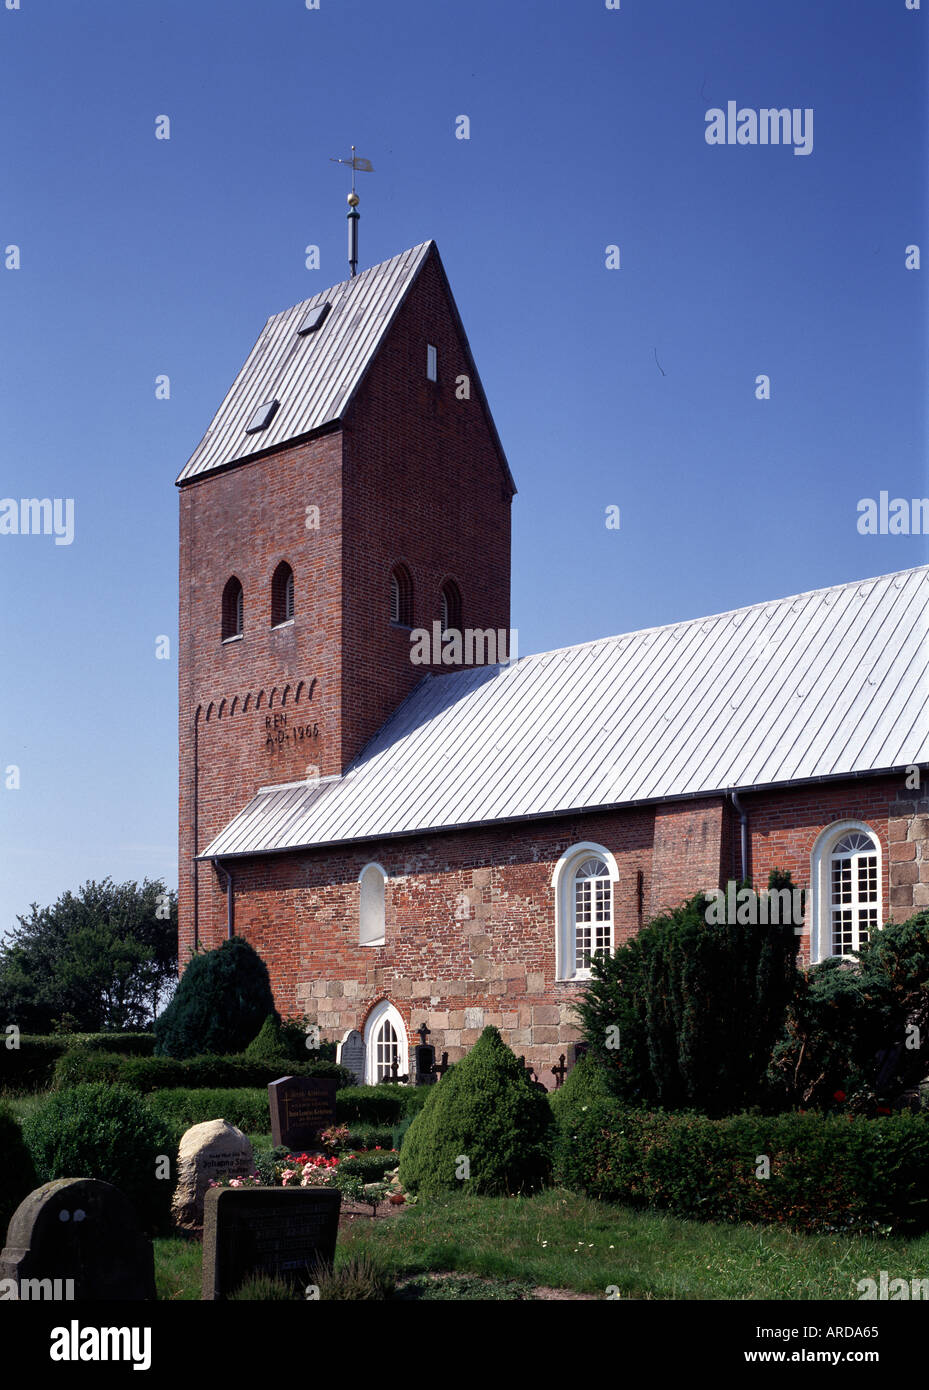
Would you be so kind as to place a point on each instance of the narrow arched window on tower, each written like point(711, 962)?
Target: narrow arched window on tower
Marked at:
point(282, 595)
point(450, 603)
point(233, 613)
point(401, 597)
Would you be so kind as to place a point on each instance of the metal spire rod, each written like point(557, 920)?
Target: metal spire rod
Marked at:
point(362, 166)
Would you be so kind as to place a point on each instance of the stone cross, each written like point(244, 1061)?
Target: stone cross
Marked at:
point(423, 1032)
point(440, 1068)
point(559, 1072)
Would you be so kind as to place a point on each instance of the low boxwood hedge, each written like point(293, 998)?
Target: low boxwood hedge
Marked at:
point(80, 1064)
point(380, 1105)
point(31, 1065)
point(106, 1132)
point(827, 1172)
point(245, 1107)
point(371, 1166)
point(19, 1175)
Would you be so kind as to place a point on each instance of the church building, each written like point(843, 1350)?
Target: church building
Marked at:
point(413, 825)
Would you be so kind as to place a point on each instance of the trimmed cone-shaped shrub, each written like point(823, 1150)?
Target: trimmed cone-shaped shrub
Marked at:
point(269, 1044)
point(220, 1004)
point(19, 1176)
point(109, 1132)
point(483, 1120)
point(586, 1085)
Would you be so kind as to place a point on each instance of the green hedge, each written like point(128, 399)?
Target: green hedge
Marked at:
point(245, 1107)
point(380, 1105)
point(127, 1044)
point(370, 1167)
point(827, 1173)
point(31, 1066)
point(106, 1132)
point(195, 1073)
point(362, 1136)
point(19, 1175)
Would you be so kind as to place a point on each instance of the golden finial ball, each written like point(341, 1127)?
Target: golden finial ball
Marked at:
point(353, 200)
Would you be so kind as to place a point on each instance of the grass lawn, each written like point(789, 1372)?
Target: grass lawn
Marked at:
point(23, 1104)
point(562, 1240)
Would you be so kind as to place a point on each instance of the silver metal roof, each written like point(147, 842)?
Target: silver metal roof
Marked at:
point(313, 377)
point(823, 684)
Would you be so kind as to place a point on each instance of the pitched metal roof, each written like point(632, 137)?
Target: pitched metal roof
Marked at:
point(313, 376)
point(824, 684)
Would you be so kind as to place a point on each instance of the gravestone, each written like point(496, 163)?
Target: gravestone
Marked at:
point(301, 1107)
point(77, 1238)
point(425, 1064)
point(351, 1054)
point(208, 1151)
point(266, 1230)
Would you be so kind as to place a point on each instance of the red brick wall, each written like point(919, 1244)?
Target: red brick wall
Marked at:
point(414, 476)
point(244, 522)
point(301, 913)
point(496, 964)
point(784, 825)
point(424, 485)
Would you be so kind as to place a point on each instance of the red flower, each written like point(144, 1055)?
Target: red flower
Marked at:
point(883, 1109)
point(838, 1095)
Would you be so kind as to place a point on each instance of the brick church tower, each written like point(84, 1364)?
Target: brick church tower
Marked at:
point(351, 487)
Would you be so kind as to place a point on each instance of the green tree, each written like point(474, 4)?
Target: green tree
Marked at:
point(221, 1003)
point(99, 959)
point(686, 1014)
point(859, 1026)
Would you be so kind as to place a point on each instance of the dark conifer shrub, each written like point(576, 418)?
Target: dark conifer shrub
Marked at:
point(220, 1004)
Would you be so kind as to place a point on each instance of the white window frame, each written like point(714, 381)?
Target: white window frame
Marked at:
point(563, 878)
point(372, 911)
point(821, 885)
point(381, 1013)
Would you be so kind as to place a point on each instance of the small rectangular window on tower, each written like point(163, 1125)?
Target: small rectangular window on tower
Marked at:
point(262, 417)
point(432, 363)
point(313, 318)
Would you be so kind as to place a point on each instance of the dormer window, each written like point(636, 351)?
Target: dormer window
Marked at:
point(313, 318)
point(262, 417)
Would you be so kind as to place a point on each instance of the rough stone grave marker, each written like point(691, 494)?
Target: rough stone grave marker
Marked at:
point(77, 1238)
point(208, 1151)
point(351, 1054)
point(301, 1107)
point(266, 1230)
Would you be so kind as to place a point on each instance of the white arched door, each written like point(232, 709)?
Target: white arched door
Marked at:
point(385, 1042)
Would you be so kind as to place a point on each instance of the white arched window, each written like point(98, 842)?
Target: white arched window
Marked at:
point(584, 917)
point(846, 879)
point(371, 914)
point(385, 1043)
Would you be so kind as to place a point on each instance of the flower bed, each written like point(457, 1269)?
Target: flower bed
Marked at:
point(358, 1176)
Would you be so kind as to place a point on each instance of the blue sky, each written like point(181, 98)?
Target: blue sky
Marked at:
point(632, 387)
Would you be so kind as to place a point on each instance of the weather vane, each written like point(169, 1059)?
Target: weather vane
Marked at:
point(362, 166)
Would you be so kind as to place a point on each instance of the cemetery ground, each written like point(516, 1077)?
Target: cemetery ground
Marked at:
point(559, 1244)
point(566, 1244)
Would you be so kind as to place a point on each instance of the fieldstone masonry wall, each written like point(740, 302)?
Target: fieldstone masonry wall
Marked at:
point(908, 840)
